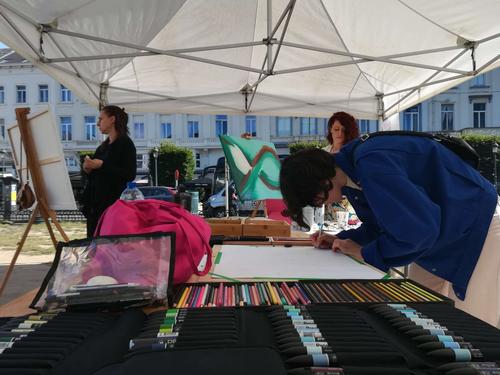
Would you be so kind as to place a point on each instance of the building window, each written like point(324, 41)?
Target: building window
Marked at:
point(283, 126)
point(90, 128)
point(65, 94)
point(198, 160)
point(138, 127)
point(479, 115)
point(140, 161)
point(43, 93)
point(479, 80)
point(220, 125)
point(2, 95)
point(70, 161)
point(166, 130)
point(308, 126)
point(2, 128)
point(364, 126)
point(411, 119)
point(251, 125)
point(447, 116)
point(66, 134)
point(193, 129)
point(21, 94)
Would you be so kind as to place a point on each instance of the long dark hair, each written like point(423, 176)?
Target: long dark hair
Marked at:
point(351, 130)
point(305, 176)
point(121, 118)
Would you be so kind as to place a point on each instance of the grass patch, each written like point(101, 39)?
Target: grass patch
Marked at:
point(38, 241)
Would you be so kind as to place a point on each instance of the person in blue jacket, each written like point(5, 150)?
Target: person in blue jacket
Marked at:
point(419, 203)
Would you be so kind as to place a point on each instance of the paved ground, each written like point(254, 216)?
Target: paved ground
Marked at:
point(35, 258)
point(27, 275)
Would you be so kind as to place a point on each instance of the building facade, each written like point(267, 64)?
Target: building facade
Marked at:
point(474, 104)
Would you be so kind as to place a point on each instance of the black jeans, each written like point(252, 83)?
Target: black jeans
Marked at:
point(93, 217)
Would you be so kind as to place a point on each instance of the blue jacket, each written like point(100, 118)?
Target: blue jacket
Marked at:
point(419, 203)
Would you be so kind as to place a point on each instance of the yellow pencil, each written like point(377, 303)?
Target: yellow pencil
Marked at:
point(184, 297)
point(271, 292)
point(353, 293)
point(420, 290)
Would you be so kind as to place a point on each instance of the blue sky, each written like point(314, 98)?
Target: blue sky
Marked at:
point(2, 45)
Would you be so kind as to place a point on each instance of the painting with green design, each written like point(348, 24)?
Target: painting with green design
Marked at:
point(254, 167)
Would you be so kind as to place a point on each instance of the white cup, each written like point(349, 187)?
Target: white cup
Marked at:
point(341, 217)
point(319, 215)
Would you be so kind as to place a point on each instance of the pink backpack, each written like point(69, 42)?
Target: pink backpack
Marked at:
point(151, 215)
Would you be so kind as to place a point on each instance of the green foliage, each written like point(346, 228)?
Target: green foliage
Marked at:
point(170, 158)
point(483, 144)
point(297, 146)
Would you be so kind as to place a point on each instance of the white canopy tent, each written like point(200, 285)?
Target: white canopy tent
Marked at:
point(372, 58)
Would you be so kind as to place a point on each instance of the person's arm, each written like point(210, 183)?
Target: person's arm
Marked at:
point(363, 235)
point(126, 168)
point(409, 220)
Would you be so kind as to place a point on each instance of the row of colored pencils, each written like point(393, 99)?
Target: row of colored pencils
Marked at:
point(244, 294)
point(291, 293)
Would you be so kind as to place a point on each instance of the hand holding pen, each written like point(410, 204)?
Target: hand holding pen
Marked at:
point(322, 240)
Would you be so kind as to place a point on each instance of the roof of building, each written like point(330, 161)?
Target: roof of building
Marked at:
point(9, 56)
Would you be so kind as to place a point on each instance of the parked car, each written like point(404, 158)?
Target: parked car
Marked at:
point(162, 193)
point(215, 205)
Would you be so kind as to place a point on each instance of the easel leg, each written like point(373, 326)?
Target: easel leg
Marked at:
point(257, 205)
point(60, 229)
point(51, 232)
point(20, 245)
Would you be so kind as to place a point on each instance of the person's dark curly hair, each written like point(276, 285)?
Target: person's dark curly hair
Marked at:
point(305, 176)
point(351, 130)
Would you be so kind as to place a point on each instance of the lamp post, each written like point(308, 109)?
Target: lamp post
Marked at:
point(2, 157)
point(494, 149)
point(155, 156)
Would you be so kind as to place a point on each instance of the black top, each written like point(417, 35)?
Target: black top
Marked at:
point(105, 185)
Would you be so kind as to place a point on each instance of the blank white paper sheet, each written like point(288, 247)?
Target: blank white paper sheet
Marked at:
point(296, 262)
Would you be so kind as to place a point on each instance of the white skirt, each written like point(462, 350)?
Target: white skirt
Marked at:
point(483, 291)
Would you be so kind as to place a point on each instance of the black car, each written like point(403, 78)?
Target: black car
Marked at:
point(157, 192)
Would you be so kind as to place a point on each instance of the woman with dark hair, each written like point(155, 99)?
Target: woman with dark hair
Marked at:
point(419, 203)
point(342, 129)
point(111, 167)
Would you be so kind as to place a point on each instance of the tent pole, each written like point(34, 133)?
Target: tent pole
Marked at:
point(269, 30)
point(103, 94)
point(22, 35)
point(72, 65)
point(380, 109)
point(226, 186)
point(425, 81)
point(155, 50)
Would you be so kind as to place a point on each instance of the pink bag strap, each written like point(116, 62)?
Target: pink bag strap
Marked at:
point(186, 216)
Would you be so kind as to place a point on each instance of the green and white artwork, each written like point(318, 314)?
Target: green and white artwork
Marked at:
point(254, 166)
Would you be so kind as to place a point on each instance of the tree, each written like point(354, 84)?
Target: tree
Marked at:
point(171, 158)
point(483, 144)
point(297, 146)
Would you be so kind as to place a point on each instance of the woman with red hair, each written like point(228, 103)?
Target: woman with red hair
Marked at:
point(342, 129)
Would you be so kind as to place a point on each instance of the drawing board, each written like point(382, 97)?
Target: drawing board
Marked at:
point(50, 156)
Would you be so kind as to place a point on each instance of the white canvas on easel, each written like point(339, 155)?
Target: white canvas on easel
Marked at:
point(42, 157)
point(50, 155)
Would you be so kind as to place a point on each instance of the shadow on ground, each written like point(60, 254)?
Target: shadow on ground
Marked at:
point(23, 279)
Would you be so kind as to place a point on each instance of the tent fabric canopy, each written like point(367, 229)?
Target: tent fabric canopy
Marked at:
point(372, 58)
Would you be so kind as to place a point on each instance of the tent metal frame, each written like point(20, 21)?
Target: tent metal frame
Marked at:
point(273, 45)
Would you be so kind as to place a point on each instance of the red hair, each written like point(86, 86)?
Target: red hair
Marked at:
point(348, 122)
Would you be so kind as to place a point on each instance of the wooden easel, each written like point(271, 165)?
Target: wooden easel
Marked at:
point(256, 208)
point(41, 206)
